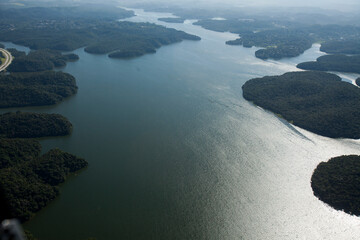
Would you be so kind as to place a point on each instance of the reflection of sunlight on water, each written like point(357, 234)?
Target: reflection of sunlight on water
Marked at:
point(274, 64)
point(348, 77)
point(263, 165)
point(265, 168)
point(241, 172)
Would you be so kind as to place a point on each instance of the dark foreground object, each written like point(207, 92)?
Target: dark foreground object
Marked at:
point(337, 183)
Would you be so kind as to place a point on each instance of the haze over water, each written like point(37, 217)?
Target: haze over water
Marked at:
point(175, 152)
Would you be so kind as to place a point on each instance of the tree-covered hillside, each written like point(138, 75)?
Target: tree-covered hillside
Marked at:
point(66, 29)
point(337, 183)
point(40, 60)
point(350, 46)
point(316, 101)
point(28, 180)
point(35, 89)
point(33, 125)
point(338, 63)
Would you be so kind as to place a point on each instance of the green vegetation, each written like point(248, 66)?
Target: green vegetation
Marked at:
point(290, 41)
point(46, 14)
point(127, 39)
point(29, 181)
point(316, 101)
point(239, 26)
point(33, 125)
point(277, 43)
point(337, 183)
point(17, 151)
point(35, 89)
point(339, 63)
point(350, 46)
point(172, 20)
point(16, 53)
point(71, 30)
point(40, 60)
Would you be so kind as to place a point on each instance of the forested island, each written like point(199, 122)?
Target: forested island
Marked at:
point(338, 63)
point(337, 183)
point(316, 101)
point(99, 35)
point(172, 20)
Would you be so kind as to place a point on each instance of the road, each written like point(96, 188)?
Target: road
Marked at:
point(8, 59)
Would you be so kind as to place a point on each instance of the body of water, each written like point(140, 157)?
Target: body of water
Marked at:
point(175, 152)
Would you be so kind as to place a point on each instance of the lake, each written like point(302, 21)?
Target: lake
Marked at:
point(175, 152)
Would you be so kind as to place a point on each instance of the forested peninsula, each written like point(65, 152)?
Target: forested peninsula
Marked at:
point(33, 125)
point(281, 38)
point(39, 60)
point(99, 35)
point(28, 179)
point(35, 89)
point(338, 63)
point(350, 46)
point(316, 101)
point(337, 183)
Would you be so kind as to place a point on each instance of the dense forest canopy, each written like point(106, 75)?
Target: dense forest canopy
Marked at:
point(337, 183)
point(35, 89)
point(338, 63)
point(40, 60)
point(16, 53)
point(29, 180)
point(283, 38)
point(33, 125)
point(316, 101)
point(350, 46)
point(239, 26)
point(68, 30)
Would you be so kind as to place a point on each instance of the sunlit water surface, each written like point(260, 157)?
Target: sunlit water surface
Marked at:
point(175, 152)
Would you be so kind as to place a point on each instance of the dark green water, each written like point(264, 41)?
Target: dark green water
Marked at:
point(175, 152)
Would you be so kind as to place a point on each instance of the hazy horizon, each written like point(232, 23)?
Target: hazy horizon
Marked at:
point(346, 5)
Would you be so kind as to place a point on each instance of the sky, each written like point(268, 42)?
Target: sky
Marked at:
point(340, 5)
point(344, 5)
